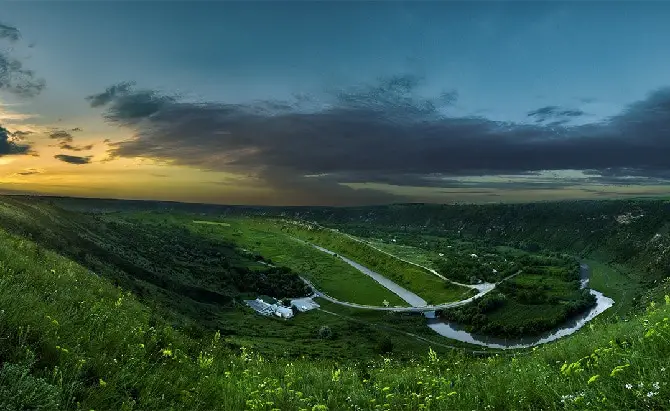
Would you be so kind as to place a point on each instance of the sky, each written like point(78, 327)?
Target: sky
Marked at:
point(335, 103)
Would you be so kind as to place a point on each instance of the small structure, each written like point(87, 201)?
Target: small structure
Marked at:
point(277, 309)
point(304, 304)
point(473, 255)
point(263, 308)
point(441, 254)
point(283, 312)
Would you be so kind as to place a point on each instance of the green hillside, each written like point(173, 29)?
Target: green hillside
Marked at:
point(109, 311)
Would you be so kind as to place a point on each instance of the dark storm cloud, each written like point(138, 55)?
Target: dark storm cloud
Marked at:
point(378, 133)
point(73, 159)
point(8, 144)
point(555, 113)
point(14, 77)
point(10, 33)
point(438, 181)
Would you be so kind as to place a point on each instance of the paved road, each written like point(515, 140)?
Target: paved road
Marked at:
point(479, 287)
point(415, 309)
point(416, 306)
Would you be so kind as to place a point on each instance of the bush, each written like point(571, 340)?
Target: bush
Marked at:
point(385, 346)
point(325, 333)
point(19, 390)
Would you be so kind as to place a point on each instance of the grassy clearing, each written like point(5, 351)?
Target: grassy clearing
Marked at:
point(421, 282)
point(409, 253)
point(329, 274)
point(73, 341)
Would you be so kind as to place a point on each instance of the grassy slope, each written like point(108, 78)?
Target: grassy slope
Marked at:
point(426, 285)
point(409, 253)
point(238, 324)
point(96, 347)
point(329, 274)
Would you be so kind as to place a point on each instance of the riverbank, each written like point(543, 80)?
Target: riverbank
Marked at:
point(457, 332)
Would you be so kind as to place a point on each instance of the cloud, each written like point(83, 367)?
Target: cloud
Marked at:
point(10, 33)
point(21, 134)
point(65, 139)
point(67, 146)
point(557, 114)
point(14, 77)
point(73, 159)
point(8, 144)
point(61, 135)
point(377, 133)
point(29, 171)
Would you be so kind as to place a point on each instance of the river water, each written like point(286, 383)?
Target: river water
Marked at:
point(457, 332)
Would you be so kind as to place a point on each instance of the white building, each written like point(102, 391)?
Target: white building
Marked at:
point(304, 304)
point(283, 312)
point(263, 308)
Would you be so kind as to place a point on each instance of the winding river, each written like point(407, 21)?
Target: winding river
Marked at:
point(456, 331)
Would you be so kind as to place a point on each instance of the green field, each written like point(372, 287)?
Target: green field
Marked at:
point(329, 274)
point(409, 253)
point(421, 282)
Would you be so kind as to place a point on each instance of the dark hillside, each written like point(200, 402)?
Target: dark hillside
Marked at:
point(172, 267)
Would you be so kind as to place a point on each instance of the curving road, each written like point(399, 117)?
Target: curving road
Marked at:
point(479, 287)
point(416, 302)
point(417, 309)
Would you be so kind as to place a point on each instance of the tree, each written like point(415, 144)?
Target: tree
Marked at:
point(325, 333)
point(385, 346)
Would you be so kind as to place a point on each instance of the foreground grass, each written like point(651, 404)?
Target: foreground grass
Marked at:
point(71, 340)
